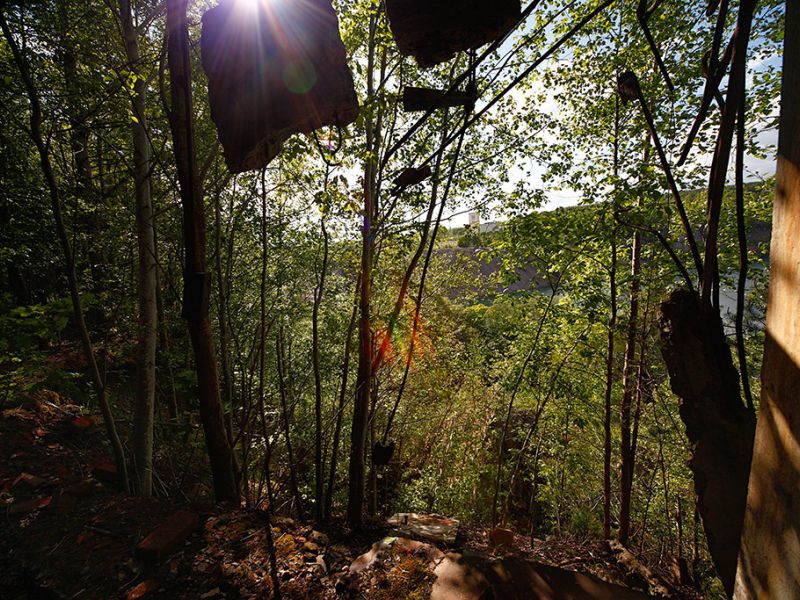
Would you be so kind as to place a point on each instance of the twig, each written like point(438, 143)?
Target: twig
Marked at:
point(631, 90)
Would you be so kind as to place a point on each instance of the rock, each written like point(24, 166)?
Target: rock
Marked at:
point(82, 489)
point(346, 584)
point(28, 506)
point(501, 537)
point(311, 548)
point(106, 473)
point(31, 482)
point(283, 522)
point(376, 554)
point(319, 538)
point(338, 557)
point(198, 494)
point(381, 550)
point(80, 425)
point(432, 528)
point(142, 590)
point(373, 555)
point(65, 503)
point(426, 552)
point(321, 563)
point(167, 537)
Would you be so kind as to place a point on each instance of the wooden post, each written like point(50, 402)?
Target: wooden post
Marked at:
point(769, 560)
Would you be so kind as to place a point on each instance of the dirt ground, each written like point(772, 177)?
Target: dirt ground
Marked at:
point(68, 532)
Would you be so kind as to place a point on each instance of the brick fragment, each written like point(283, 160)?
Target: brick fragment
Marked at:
point(167, 537)
point(107, 474)
point(80, 425)
point(501, 537)
point(141, 590)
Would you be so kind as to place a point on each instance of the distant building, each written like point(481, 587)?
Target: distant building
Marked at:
point(478, 227)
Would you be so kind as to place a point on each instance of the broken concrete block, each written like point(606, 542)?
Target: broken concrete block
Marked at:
point(274, 69)
point(473, 577)
point(167, 537)
point(432, 528)
point(433, 31)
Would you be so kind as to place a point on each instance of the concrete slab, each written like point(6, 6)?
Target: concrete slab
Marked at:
point(432, 528)
point(465, 577)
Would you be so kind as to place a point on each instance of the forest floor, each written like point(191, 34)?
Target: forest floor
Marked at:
point(68, 532)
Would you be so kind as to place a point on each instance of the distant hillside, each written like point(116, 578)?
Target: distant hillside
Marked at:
point(461, 250)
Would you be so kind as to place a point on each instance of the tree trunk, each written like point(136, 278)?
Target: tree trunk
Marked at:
point(719, 167)
point(280, 360)
point(640, 380)
point(66, 248)
point(79, 133)
point(162, 350)
point(719, 427)
point(513, 395)
point(318, 292)
point(196, 280)
point(358, 434)
point(222, 308)
point(372, 487)
point(262, 345)
point(769, 563)
point(612, 323)
point(148, 322)
point(337, 430)
point(628, 378)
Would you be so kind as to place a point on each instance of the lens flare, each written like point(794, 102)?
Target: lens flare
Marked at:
point(299, 75)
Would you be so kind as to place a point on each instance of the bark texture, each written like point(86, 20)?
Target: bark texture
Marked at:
point(196, 279)
point(145, 236)
point(628, 381)
point(358, 432)
point(718, 425)
point(769, 562)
